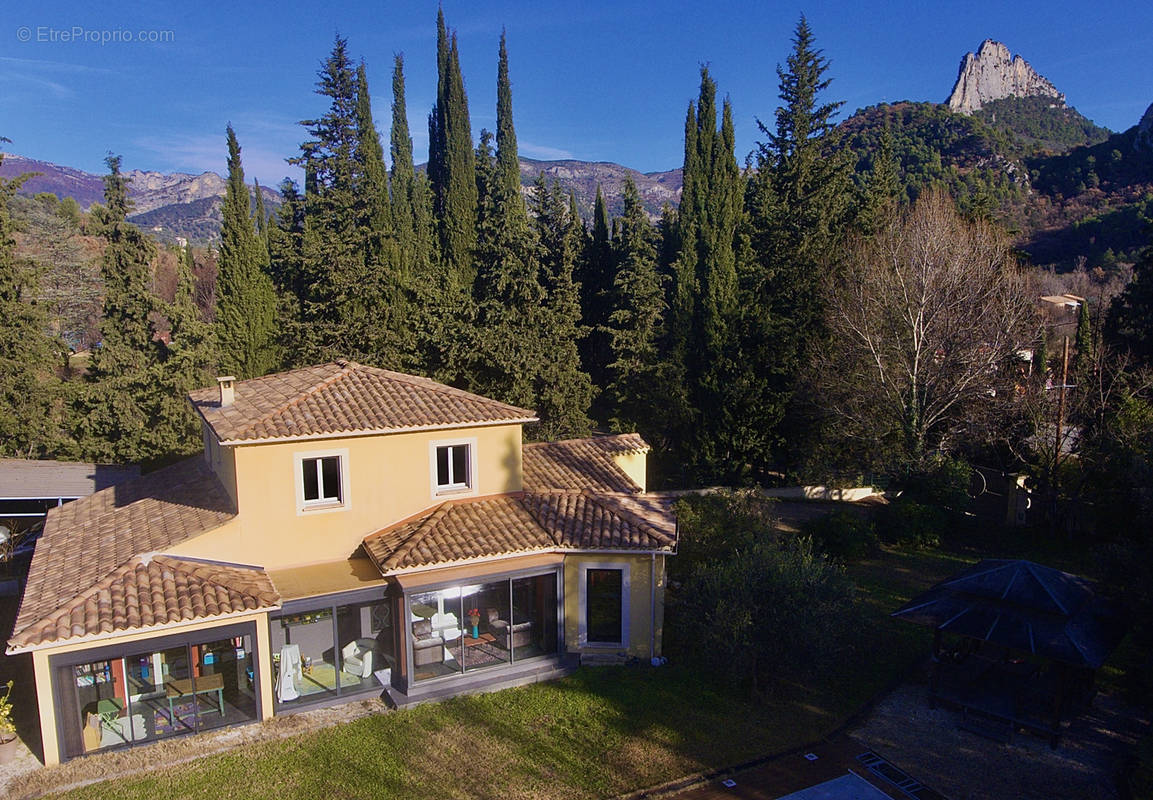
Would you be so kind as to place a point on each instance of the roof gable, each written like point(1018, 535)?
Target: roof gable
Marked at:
point(531, 522)
point(153, 590)
point(343, 397)
point(581, 464)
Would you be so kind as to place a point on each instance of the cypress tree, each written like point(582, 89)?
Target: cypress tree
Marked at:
point(595, 274)
point(246, 324)
point(636, 325)
point(261, 214)
point(704, 333)
point(507, 157)
point(29, 390)
point(452, 168)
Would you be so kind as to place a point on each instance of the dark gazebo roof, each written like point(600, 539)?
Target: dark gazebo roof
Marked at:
point(1025, 607)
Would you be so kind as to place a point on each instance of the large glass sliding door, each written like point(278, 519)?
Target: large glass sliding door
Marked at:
point(330, 651)
point(470, 627)
point(137, 694)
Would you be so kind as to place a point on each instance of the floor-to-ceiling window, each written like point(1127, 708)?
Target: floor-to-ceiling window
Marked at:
point(327, 648)
point(143, 692)
point(468, 627)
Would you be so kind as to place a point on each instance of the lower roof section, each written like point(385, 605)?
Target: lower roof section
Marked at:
point(478, 569)
point(329, 578)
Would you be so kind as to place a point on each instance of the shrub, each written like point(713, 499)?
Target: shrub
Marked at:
point(843, 534)
point(910, 523)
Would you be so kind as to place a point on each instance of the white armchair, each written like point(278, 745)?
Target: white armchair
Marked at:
point(356, 657)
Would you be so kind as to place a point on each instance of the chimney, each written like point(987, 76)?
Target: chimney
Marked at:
point(227, 391)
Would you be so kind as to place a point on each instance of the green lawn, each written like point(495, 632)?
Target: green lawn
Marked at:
point(597, 733)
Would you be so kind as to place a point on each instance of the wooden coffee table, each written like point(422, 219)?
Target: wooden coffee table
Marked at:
point(484, 638)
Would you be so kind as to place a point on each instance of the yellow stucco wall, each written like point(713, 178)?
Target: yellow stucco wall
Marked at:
point(634, 465)
point(44, 684)
point(640, 610)
point(389, 479)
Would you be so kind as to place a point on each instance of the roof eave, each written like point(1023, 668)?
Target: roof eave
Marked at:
point(373, 432)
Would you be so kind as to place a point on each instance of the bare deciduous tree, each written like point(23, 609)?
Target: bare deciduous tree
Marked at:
point(927, 321)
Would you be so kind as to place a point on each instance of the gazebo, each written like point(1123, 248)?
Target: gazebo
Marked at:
point(1016, 644)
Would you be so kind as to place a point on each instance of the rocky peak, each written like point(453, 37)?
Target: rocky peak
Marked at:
point(1144, 139)
point(992, 74)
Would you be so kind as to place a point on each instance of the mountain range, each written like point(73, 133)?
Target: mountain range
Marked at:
point(1070, 192)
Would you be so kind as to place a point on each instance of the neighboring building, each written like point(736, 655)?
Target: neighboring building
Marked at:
point(29, 488)
point(348, 531)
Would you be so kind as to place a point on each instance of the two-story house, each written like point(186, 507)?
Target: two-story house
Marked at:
point(347, 532)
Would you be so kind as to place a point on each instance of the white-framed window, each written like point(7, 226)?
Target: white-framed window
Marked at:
point(603, 620)
point(453, 466)
point(322, 480)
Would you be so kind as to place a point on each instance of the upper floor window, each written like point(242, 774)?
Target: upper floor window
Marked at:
point(322, 479)
point(453, 466)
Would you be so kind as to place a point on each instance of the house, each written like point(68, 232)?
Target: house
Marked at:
point(347, 532)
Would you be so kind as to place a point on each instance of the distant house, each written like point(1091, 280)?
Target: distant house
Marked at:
point(347, 532)
point(28, 489)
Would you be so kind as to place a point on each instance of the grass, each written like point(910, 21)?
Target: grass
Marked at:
point(597, 733)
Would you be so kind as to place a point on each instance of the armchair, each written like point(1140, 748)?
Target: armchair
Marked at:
point(509, 635)
point(427, 647)
point(356, 657)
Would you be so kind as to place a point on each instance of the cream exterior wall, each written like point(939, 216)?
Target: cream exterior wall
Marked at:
point(640, 609)
point(44, 684)
point(635, 466)
point(390, 479)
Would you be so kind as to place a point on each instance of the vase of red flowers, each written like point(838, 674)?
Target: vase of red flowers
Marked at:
point(474, 621)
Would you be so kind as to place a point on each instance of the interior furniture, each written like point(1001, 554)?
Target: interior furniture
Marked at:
point(509, 635)
point(356, 657)
point(427, 646)
point(123, 730)
point(289, 673)
point(205, 684)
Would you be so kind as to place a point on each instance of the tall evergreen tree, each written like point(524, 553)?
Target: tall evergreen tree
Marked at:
point(595, 271)
point(798, 205)
point(29, 389)
point(636, 326)
point(187, 363)
point(882, 188)
point(340, 298)
point(246, 323)
point(704, 320)
point(1130, 322)
point(452, 169)
point(117, 407)
point(261, 214)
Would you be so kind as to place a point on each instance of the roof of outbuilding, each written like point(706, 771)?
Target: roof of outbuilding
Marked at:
point(22, 479)
point(581, 464)
point(345, 398)
point(89, 539)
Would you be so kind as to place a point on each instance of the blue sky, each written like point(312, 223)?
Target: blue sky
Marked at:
point(600, 81)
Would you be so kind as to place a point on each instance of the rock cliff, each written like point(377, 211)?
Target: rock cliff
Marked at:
point(1144, 139)
point(991, 74)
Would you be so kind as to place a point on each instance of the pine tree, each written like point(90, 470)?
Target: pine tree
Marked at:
point(29, 389)
point(882, 188)
point(339, 300)
point(116, 409)
point(1130, 322)
point(798, 205)
point(246, 323)
point(452, 169)
point(636, 326)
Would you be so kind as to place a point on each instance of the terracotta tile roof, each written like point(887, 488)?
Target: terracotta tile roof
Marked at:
point(85, 540)
point(344, 397)
point(581, 464)
point(153, 590)
point(512, 524)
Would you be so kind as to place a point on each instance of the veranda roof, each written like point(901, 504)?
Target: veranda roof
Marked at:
point(1023, 606)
